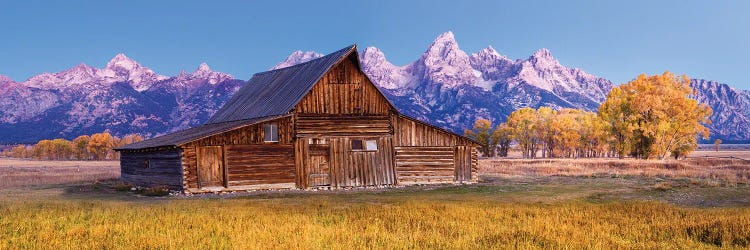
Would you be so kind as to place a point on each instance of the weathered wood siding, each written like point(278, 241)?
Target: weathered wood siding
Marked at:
point(344, 90)
point(410, 132)
point(260, 164)
point(466, 164)
point(317, 125)
point(155, 168)
point(346, 167)
point(252, 134)
point(427, 154)
point(425, 164)
point(211, 166)
point(249, 161)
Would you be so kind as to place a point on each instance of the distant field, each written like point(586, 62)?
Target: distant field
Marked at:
point(745, 154)
point(700, 170)
point(584, 203)
point(19, 172)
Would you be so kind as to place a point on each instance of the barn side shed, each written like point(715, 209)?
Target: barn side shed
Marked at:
point(322, 123)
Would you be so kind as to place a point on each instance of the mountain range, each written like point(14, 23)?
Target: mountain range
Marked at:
point(445, 86)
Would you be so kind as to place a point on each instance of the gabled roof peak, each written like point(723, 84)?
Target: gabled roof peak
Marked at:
point(337, 53)
point(276, 92)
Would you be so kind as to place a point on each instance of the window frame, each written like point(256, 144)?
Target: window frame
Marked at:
point(364, 145)
point(273, 127)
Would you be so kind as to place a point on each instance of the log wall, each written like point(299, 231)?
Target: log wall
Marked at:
point(425, 164)
point(426, 154)
point(317, 125)
point(250, 162)
point(260, 164)
point(156, 168)
point(252, 134)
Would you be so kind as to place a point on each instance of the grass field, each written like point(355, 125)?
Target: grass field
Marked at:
point(557, 204)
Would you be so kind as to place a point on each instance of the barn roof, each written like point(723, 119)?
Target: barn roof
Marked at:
point(195, 133)
point(276, 92)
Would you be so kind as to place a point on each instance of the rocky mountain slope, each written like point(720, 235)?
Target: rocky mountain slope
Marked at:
point(123, 98)
point(446, 86)
point(451, 88)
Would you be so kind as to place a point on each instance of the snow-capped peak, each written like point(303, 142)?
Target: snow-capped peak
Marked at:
point(489, 51)
point(444, 45)
point(543, 52)
point(205, 72)
point(4, 79)
point(82, 68)
point(445, 37)
point(122, 68)
point(122, 61)
point(543, 57)
point(298, 57)
point(203, 67)
point(373, 57)
point(445, 63)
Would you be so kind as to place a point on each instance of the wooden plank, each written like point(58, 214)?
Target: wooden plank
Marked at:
point(432, 164)
point(153, 168)
point(210, 166)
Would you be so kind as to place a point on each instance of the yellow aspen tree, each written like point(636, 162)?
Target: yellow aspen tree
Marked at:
point(502, 137)
point(523, 124)
point(481, 133)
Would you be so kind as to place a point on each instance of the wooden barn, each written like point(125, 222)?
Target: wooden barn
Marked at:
point(319, 124)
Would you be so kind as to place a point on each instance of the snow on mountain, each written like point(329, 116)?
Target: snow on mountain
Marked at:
point(5, 79)
point(491, 66)
point(731, 108)
point(383, 72)
point(122, 68)
point(297, 57)
point(205, 72)
point(69, 78)
point(451, 89)
point(445, 86)
point(123, 98)
point(444, 64)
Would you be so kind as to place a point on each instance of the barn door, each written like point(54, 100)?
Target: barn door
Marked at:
point(320, 171)
point(462, 161)
point(210, 166)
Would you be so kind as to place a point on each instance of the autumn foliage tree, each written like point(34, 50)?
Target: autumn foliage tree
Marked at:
point(481, 134)
point(525, 129)
point(95, 147)
point(502, 137)
point(563, 133)
point(654, 116)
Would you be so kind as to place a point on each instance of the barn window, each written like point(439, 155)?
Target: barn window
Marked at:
point(357, 145)
point(364, 145)
point(271, 132)
point(147, 163)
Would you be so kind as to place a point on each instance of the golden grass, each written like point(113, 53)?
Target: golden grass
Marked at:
point(496, 215)
point(21, 173)
point(725, 170)
point(330, 222)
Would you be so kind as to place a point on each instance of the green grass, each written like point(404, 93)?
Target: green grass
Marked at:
point(507, 216)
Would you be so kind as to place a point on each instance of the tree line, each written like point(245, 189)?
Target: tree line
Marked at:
point(648, 117)
point(97, 146)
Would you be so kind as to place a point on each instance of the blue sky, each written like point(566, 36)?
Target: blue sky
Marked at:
point(616, 40)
